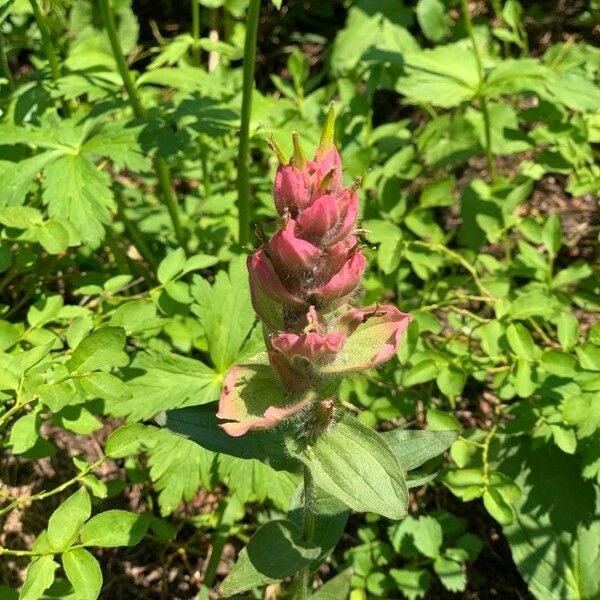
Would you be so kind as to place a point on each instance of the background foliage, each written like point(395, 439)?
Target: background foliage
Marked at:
point(474, 127)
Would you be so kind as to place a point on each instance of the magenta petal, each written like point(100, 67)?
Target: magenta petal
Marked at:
point(320, 217)
point(310, 346)
point(348, 206)
point(374, 335)
point(252, 398)
point(334, 257)
point(267, 292)
point(290, 253)
point(290, 189)
point(329, 166)
point(343, 283)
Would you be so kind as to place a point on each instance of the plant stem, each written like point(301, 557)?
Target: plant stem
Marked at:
point(196, 31)
point(244, 146)
point(5, 65)
point(160, 166)
point(135, 234)
point(487, 126)
point(48, 48)
point(303, 582)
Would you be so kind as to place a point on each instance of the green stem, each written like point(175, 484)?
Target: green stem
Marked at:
point(135, 234)
point(48, 48)
point(487, 126)
point(160, 166)
point(205, 171)
point(303, 581)
point(5, 65)
point(196, 31)
point(244, 146)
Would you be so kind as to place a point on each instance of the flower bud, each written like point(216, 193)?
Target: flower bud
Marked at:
point(291, 189)
point(343, 283)
point(290, 255)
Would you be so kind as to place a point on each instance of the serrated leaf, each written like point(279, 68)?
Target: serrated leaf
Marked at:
point(66, 520)
point(84, 573)
point(354, 463)
point(273, 553)
point(77, 191)
point(451, 574)
point(167, 381)
point(114, 528)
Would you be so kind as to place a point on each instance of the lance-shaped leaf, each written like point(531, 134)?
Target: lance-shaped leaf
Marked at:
point(355, 464)
point(253, 398)
point(274, 552)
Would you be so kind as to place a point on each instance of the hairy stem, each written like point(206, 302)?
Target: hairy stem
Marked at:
point(160, 166)
point(487, 126)
point(244, 146)
point(303, 579)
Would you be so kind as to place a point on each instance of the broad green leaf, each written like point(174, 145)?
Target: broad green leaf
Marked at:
point(24, 433)
point(171, 266)
point(84, 573)
point(413, 583)
point(77, 191)
point(433, 19)
point(439, 420)
point(20, 217)
point(178, 467)
point(414, 447)
point(497, 507)
point(451, 573)
point(101, 349)
point(129, 440)
point(215, 306)
point(40, 575)
point(554, 539)
point(354, 464)
point(166, 381)
point(114, 528)
point(552, 234)
point(567, 329)
point(52, 236)
point(521, 342)
point(423, 371)
point(451, 381)
point(67, 519)
point(105, 386)
point(273, 553)
point(337, 588)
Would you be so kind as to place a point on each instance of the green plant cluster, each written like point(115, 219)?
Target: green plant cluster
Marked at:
point(131, 172)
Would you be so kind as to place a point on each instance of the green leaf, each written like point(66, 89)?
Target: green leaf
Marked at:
point(559, 363)
point(52, 236)
point(67, 519)
point(354, 464)
point(428, 536)
point(564, 438)
point(413, 583)
point(552, 234)
point(421, 372)
point(84, 573)
point(441, 421)
point(521, 342)
point(273, 553)
point(215, 305)
point(167, 381)
point(497, 507)
point(24, 433)
point(177, 467)
point(444, 76)
point(129, 440)
point(105, 386)
point(414, 447)
point(451, 381)
point(77, 191)
point(554, 539)
point(171, 266)
point(433, 19)
point(101, 349)
point(40, 575)
point(567, 329)
point(114, 528)
point(451, 574)
point(337, 588)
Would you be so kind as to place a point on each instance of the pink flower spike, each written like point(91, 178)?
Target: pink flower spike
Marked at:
point(334, 257)
point(328, 174)
point(289, 253)
point(348, 207)
point(343, 283)
point(290, 189)
point(310, 346)
point(320, 218)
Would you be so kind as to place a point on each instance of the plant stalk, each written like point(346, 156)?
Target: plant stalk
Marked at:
point(196, 31)
point(487, 126)
point(303, 581)
point(5, 64)
point(49, 49)
point(161, 168)
point(243, 182)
